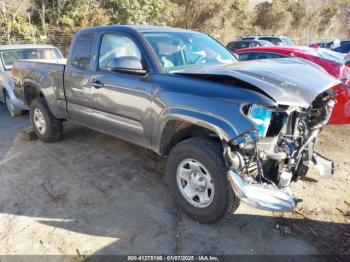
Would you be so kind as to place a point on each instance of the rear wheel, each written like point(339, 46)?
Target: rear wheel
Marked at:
point(197, 179)
point(10, 107)
point(46, 126)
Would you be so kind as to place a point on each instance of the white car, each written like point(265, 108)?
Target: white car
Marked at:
point(274, 39)
point(8, 55)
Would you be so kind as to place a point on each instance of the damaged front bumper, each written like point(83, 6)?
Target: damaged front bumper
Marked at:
point(268, 196)
point(260, 196)
point(265, 197)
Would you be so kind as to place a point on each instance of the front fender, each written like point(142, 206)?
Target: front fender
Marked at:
point(216, 124)
point(221, 126)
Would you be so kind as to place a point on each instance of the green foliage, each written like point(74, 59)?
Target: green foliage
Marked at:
point(137, 11)
point(327, 16)
point(21, 30)
point(55, 21)
point(84, 16)
point(272, 16)
point(14, 23)
point(299, 14)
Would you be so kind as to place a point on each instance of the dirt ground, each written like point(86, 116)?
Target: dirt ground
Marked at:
point(93, 194)
point(324, 217)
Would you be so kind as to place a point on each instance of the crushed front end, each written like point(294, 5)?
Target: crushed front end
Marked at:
point(264, 161)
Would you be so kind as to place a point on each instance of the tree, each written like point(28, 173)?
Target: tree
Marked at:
point(342, 25)
point(83, 14)
point(327, 17)
point(137, 11)
point(272, 17)
point(224, 19)
point(299, 14)
point(14, 22)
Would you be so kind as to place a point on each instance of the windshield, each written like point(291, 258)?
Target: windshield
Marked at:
point(182, 50)
point(8, 57)
point(329, 54)
point(266, 43)
point(288, 41)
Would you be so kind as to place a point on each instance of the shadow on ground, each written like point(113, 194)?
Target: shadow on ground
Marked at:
point(92, 194)
point(8, 129)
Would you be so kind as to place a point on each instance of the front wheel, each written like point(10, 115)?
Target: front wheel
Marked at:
point(46, 126)
point(197, 179)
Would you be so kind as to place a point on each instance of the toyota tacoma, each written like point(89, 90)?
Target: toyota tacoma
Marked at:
point(231, 131)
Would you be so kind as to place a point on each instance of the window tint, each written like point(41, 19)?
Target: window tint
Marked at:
point(288, 41)
point(261, 55)
point(274, 40)
point(258, 55)
point(327, 54)
point(237, 45)
point(345, 42)
point(243, 56)
point(254, 44)
point(343, 48)
point(114, 45)
point(81, 54)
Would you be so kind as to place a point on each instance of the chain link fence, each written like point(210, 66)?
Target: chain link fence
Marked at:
point(52, 36)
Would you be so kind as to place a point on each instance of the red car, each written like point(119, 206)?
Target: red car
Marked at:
point(334, 63)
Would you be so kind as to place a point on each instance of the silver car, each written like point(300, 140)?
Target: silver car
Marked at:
point(8, 55)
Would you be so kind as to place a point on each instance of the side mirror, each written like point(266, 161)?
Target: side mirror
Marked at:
point(128, 65)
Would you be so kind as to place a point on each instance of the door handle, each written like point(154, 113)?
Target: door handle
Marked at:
point(97, 84)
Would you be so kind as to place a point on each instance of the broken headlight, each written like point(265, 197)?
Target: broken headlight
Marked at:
point(261, 116)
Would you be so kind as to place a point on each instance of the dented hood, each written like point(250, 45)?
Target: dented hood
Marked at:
point(288, 81)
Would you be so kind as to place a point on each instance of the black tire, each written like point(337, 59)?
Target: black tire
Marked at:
point(209, 153)
point(53, 131)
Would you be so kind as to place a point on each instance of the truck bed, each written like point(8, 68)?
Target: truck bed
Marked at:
point(48, 74)
point(59, 61)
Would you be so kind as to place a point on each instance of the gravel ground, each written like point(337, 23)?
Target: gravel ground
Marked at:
point(93, 194)
point(324, 217)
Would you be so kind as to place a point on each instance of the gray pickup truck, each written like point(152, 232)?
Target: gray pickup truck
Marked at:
point(232, 131)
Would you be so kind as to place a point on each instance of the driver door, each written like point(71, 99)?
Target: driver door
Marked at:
point(121, 101)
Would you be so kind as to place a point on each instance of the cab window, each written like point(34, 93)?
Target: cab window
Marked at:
point(114, 46)
point(81, 54)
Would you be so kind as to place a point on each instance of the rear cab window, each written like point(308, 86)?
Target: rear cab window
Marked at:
point(82, 49)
